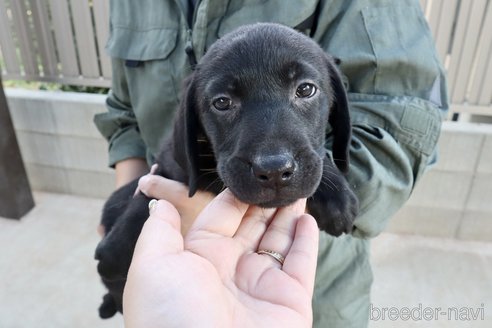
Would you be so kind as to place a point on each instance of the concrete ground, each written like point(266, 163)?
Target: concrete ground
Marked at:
point(48, 276)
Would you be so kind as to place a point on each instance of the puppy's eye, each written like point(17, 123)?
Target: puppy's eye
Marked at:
point(222, 103)
point(306, 90)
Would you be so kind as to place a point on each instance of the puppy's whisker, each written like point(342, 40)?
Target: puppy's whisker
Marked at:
point(224, 187)
point(207, 172)
point(326, 181)
point(330, 172)
point(327, 185)
point(217, 180)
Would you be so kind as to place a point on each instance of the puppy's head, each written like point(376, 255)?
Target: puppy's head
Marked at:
point(263, 97)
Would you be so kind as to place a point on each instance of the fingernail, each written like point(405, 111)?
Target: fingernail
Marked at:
point(153, 168)
point(137, 191)
point(152, 205)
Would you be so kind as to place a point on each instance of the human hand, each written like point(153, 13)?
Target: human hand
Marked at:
point(213, 277)
point(158, 187)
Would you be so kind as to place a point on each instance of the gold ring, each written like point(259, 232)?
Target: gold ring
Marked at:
point(152, 204)
point(277, 256)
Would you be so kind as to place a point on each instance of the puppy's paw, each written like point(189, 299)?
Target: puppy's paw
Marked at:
point(108, 307)
point(334, 209)
point(110, 264)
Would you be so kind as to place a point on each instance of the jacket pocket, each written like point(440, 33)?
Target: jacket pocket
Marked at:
point(403, 48)
point(141, 45)
point(142, 32)
point(292, 14)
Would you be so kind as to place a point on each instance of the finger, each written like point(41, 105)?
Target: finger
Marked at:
point(280, 233)
point(300, 262)
point(221, 217)
point(153, 168)
point(160, 234)
point(156, 186)
point(253, 226)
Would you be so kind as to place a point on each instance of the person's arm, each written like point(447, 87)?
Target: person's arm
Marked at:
point(127, 152)
point(397, 95)
point(119, 125)
point(129, 169)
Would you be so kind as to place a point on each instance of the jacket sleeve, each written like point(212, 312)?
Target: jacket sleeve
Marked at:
point(119, 125)
point(397, 97)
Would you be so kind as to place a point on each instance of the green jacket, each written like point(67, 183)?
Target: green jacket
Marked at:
point(396, 88)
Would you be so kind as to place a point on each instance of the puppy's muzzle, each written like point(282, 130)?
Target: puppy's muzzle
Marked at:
point(273, 171)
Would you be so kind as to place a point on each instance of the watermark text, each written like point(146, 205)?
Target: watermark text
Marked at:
point(427, 313)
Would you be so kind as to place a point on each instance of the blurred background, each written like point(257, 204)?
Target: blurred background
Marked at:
point(436, 253)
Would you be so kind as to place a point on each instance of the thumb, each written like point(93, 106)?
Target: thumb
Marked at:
point(160, 234)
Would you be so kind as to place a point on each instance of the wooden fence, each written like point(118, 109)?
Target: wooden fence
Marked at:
point(462, 30)
point(55, 40)
point(63, 41)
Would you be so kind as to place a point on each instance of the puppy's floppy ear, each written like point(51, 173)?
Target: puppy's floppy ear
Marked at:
point(339, 118)
point(186, 130)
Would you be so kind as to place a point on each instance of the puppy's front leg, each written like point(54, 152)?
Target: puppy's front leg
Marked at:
point(333, 205)
point(115, 251)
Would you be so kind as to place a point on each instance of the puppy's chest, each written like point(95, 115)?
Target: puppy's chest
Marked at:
point(208, 178)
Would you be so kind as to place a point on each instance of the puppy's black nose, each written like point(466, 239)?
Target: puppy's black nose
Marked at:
point(274, 170)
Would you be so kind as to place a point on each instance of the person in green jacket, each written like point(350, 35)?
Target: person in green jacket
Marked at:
point(397, 96)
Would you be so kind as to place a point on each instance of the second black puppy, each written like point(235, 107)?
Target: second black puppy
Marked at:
point(255, 117)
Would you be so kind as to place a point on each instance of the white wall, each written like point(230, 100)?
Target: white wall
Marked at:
point(64, 153)
point(62, 149)
point(455, 198)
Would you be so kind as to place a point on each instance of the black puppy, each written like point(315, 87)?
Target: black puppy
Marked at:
point(254, 118)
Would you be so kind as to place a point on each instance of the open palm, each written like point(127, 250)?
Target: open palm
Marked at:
point(214, 277)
